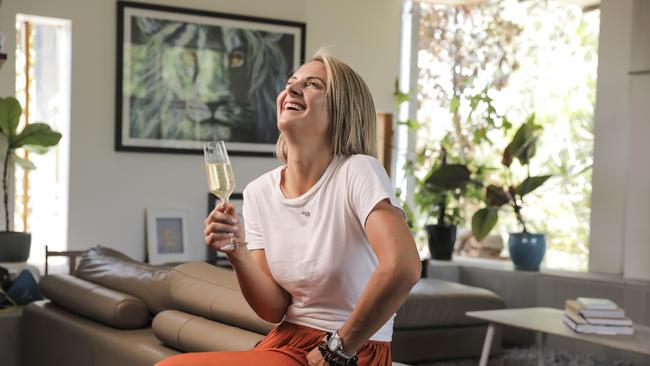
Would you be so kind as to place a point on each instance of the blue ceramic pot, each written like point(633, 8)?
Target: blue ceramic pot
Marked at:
point(527, 250)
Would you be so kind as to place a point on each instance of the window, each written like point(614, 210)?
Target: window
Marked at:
point(480, 62)
point(43, 89)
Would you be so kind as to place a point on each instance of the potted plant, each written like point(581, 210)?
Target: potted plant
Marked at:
point(526, 249)
point(37, 137)
point(444, 183)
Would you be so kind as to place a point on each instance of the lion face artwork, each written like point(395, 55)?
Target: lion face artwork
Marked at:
point(196, 82)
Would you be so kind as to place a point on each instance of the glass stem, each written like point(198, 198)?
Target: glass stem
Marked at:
point(225, 203)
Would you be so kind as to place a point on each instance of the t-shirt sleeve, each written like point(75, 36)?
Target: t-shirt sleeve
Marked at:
point(251, 222)
point(368, 185)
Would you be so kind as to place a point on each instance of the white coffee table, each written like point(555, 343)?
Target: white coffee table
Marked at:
point(545, 321)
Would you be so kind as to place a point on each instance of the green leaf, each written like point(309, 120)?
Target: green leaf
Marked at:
point(496, 196)
point(449, 177)
point(40, 150)
point(522, 146)
point(506, 124)
point(24, 163)
point(483, 221)
point(411, 124)
point(10, 112)
point(454, 104)
point(530, 184)
point(527, 151)
point(400, 97)
point(507, 155)
point(36, 134)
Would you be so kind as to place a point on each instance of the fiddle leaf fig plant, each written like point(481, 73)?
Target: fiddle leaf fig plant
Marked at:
point(521, 148)
point(36, 137)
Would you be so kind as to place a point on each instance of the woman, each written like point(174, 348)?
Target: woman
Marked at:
point(329, 255)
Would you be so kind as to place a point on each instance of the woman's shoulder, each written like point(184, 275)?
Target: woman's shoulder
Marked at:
point(361, 163)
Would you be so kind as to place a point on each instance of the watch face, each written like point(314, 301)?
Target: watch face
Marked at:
point(333, 342)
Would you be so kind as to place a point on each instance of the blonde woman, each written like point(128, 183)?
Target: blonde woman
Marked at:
point(329, 254)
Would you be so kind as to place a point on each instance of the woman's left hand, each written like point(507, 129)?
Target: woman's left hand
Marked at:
point(314, 358)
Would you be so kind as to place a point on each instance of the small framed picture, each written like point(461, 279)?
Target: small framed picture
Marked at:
point(216, 257)
point(167, 236)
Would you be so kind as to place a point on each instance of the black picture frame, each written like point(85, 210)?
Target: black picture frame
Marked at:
point(214, 257)
point(187, 76)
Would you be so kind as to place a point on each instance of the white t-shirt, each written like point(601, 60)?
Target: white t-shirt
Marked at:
point(315, 244)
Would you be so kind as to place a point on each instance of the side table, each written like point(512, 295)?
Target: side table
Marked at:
point(10, 335)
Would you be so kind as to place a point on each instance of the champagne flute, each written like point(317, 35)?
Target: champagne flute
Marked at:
point(221, 180)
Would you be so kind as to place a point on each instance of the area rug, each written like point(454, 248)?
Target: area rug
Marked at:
point(528, 357)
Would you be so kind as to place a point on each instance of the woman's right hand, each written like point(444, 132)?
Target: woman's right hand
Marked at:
point(222, 226)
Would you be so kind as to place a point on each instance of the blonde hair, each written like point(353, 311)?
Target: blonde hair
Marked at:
point(351, 111)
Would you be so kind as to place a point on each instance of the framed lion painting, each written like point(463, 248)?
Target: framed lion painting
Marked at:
point(186, 76)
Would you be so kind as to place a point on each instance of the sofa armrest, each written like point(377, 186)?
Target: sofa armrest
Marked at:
point(191, 333)
point(93, 301)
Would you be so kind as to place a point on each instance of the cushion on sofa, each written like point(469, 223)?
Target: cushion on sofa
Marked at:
point(190, 333)
point(436, 303)
point(95, 302)
point(211, 292)
point(115, 270)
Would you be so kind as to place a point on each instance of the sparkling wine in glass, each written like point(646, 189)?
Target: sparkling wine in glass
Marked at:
point(221, 180)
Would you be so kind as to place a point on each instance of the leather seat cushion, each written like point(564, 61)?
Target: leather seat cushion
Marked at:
point(191, 333)
point(117, 271)
point(93, 301)
point(437, 303)
point(213, 293)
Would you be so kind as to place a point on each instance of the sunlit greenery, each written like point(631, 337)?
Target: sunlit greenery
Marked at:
point(523, 57)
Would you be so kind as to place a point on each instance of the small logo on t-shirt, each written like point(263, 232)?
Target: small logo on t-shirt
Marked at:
point(305, 213)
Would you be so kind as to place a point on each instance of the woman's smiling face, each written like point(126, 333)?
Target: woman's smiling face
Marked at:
point(302, 105)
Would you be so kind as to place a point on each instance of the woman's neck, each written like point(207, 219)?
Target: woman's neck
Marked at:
point(305, 166)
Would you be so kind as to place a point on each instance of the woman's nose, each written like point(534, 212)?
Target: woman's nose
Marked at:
point(294, 89)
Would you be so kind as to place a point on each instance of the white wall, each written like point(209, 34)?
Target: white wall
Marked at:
point(620, 234)
point(109, 191)
point(637, 203)
point(611, 116)
point(366, 34)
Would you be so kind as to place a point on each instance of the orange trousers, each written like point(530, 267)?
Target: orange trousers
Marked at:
point(286, 345)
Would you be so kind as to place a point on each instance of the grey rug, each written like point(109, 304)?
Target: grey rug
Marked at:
point(528, 357)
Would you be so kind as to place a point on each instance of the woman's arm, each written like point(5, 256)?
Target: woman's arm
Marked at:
point(397, 272)
point(268, 299)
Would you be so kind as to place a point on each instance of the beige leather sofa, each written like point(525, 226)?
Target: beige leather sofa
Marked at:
point(118, 311)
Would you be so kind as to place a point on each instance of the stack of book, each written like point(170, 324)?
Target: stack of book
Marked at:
point(596, 316)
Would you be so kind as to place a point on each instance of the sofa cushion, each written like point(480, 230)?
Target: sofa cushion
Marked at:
point(191, 333)
point(436, 303)
point(211, 292)
point(115, 270)
point(95, 302)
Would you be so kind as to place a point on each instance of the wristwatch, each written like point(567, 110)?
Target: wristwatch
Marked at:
point(335, 344)
point(333, 353)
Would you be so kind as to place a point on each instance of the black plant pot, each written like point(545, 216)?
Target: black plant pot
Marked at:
point(441, 241)
point(14, 246)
